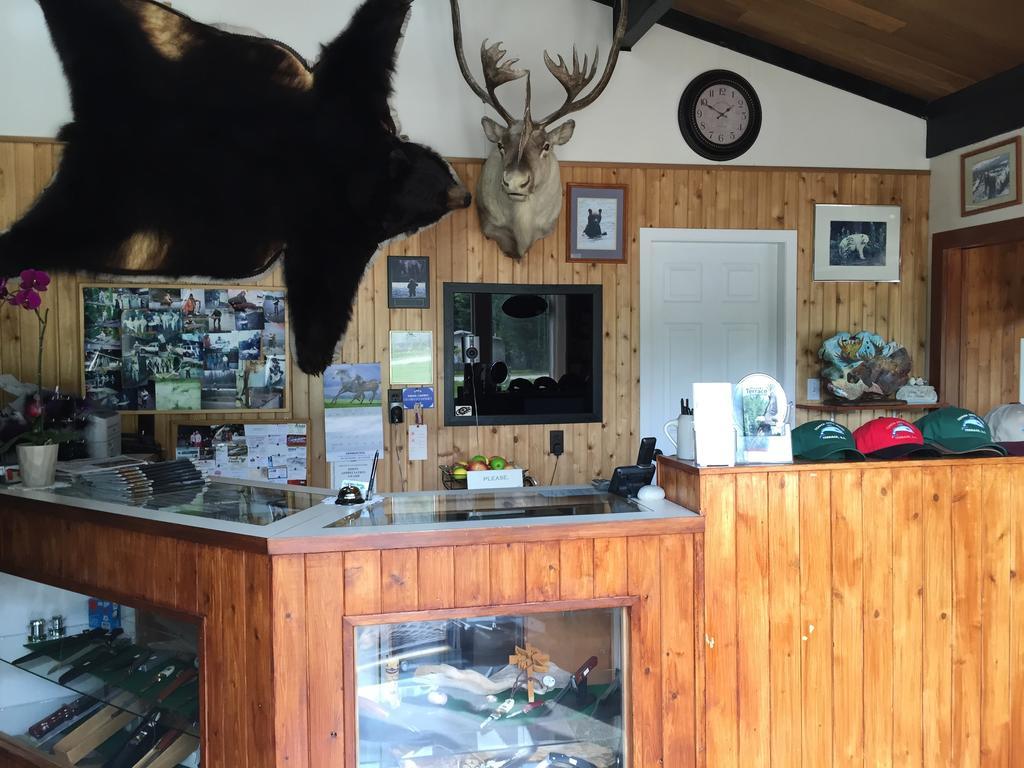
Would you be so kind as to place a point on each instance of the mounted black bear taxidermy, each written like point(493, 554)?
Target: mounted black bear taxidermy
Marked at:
point(194, 151)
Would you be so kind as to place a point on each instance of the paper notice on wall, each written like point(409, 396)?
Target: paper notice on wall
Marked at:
point(250, 451)
point(417, 442)
point(353, 420)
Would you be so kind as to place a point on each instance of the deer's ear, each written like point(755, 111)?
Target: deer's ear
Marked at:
point(561, 135)
point(492, 130)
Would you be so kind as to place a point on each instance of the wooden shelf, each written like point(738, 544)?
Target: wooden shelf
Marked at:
point(879, 405)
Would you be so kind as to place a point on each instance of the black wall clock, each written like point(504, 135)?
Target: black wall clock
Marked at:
point(719, 115)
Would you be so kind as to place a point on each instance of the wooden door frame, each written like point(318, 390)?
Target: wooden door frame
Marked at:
point(945, 331)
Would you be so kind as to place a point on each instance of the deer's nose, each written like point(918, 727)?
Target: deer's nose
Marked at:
point(519, 182)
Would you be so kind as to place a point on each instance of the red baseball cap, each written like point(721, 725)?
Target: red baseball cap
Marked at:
point(889, 438)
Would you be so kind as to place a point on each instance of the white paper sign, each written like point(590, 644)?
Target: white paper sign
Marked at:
point(417, 442)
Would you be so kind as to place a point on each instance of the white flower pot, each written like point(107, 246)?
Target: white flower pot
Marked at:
point(37, 464)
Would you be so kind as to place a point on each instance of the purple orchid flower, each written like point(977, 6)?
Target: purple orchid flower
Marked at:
point(34, 280)
point(27, 299)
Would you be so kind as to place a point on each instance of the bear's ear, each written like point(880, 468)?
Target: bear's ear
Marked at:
point(590, 212)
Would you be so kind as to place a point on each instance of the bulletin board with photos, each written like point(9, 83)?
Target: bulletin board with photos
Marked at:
point(265, 451)
point(173, 348)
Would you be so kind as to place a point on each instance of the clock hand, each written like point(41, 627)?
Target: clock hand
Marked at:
point(705, 103)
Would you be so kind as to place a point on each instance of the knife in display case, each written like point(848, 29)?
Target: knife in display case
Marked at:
point(94, 661)
point(75, 657)
point(61, 716)
point(56, 648)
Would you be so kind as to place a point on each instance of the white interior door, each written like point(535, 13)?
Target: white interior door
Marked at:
point(715, 306)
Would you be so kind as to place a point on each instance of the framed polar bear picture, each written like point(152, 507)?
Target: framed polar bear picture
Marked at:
point(857, 243)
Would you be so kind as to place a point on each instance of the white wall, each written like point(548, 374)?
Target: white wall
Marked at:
point(945, 192)
point(805, 123)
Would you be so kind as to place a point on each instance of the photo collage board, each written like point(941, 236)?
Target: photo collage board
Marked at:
point(185, 349)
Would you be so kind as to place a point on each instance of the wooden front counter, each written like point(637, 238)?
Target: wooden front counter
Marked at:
point(864, 614)
point(274, 668)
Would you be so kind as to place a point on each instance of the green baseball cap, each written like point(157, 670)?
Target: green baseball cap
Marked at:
point(958, 431)
point(825, 441)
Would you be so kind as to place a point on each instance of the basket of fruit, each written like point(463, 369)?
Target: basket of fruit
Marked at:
point(480, 471)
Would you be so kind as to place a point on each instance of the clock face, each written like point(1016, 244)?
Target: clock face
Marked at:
point(720, 115)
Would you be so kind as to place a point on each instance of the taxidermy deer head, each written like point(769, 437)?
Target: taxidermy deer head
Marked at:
point(195, 151)
point(520, 191)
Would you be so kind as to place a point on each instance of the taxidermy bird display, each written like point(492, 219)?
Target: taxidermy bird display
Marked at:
point(195, 151)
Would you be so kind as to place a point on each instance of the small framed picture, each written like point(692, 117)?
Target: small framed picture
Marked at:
point(990, 177)
point(857, 243)
point(408, 282)
point(596, 216)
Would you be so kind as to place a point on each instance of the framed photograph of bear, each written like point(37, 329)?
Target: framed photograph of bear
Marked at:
point(408, 282)
point(195, 348)
point(596, 216)
point(857, 243)
point(990, 177)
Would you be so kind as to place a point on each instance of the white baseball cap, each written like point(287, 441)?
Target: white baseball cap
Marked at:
point(1007, 423)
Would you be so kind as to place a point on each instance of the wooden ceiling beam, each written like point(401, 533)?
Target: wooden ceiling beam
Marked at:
point(643, 15)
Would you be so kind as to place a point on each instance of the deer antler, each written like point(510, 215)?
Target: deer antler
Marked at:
point(496, 72)
point(580, 78)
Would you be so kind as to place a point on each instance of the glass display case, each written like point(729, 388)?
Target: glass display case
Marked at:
point(88, 682)
point(538, 690)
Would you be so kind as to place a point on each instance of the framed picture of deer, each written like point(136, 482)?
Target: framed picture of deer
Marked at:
point(408, 282)
point(857, 243)
point(596, 223)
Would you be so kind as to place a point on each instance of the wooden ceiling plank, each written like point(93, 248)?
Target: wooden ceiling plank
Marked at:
point(928, 48)
point(865, 58)
point(862, 14)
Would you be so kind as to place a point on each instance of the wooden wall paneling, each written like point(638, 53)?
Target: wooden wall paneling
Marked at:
point(325, 606)
point(508, 573)
point(611, 569)
point(700, 196)
point(996, 496)
point(968, 536)
point(399, 580)
point(679, 602)
point(908, 613)
point(576, 568)
point(847, 618)
point(720, 620)
point(644, 555)
point(1016, 626)
point(436, 578)
point(877, 571)
point(362, 583)
point(473, 584)
point(784, 627)
point(936, 498)
point(222, 600)
point(279, 674)
point(752, 619)
point(543, 563)
point(815, 496)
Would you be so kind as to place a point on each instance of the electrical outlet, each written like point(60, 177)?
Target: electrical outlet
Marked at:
point(813, 390)
point(557, 442)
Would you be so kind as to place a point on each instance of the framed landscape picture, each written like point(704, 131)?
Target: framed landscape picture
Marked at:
point(596, 223)
point(408, 282)
point(174, 348)
point(857, 243)
point(990, 177)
